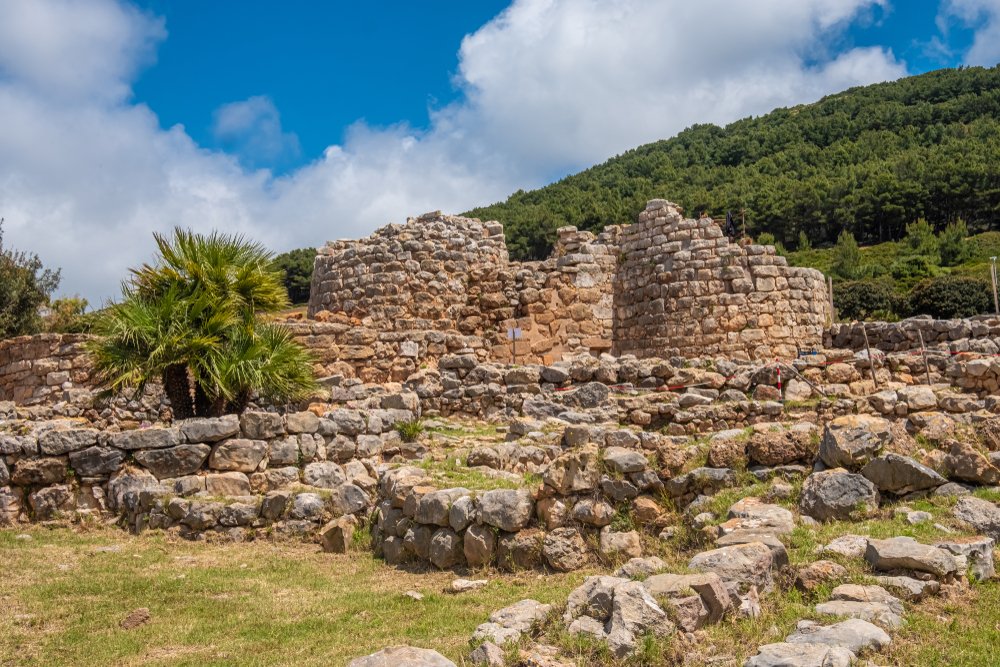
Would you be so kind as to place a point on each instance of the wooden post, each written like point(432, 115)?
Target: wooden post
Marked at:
point(833, 309)
point(871, 361)
point(923, 351)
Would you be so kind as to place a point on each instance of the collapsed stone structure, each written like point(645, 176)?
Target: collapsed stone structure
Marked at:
point(664, 286)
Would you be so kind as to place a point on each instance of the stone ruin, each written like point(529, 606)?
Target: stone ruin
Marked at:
point(665, 286)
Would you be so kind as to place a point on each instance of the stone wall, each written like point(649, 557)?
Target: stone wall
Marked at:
point(683, 288)
point(977, 334)
point(435, 273)
point(231, 475)
point(565, 302)
point(42, 368)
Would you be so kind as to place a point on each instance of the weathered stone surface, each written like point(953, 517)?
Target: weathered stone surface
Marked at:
point(479, 545)
point(308, 506)
point(634, 613)
point(237, 454)
point(905, 553)
point(800, 655)
point(435, 507)
point(173, 461)
point(640, 568)
point(487, 654)
point(775, 448)
point(981, 514)
point(900, 475)
point(336, 535)
point(57, 442)
point(745, 564)
point(210, 429)
point(910, 588)
point(564, 549)
point(96, 461)
point(324, 475)
point(445, 549)
point(854, 635)
point(917, 398)
point(506, 509)
point(261, 425)
point(301, 422)
point(28, 472)
point(348, 499)
point(868, 603)
point(149, 438)
point(852, 440)
point(227, 484)
point(402, 656)
point(617, 544)
point(594, 512)
point(509, 623)
point(965, 463)
point(623, 460)
point(977, 552)
point(811, 576)
point(521, 550)
point(850, 546)
point(574, 471)
point(837, 494)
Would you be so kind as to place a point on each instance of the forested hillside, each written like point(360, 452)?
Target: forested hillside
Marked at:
point(868, 160)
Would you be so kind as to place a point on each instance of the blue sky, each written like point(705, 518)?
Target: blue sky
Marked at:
point(326, 65)
point(298, 122)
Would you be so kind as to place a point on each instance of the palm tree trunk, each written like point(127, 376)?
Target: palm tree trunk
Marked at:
point(178, 389)
point(208, 406)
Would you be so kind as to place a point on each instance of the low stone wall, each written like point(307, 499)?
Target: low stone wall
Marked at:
point(42, 368)
point(232, 475)
point(980, 334)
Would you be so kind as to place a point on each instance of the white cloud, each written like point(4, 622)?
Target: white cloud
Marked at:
point(550, 85)
point(985, 16)
point(252, 129)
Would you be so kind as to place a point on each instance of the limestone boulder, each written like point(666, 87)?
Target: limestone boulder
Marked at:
point(981, 514)
point(853, 440)
point(564, 549)
point(173, 461)
point(507, 509)
point(237, 454)
point(210, 429)
point(743, 564)
point(402, 656)
point(837, 495)
point(905, 553)
point(899, 475)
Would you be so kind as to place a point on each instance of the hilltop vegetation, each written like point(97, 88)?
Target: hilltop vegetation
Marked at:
point(869, 160)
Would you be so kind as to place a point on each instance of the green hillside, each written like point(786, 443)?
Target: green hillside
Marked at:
point(868, 160)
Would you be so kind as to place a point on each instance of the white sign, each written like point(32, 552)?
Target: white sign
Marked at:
point(514, 334)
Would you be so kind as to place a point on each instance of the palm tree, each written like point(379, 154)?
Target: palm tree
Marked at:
point(193, 321)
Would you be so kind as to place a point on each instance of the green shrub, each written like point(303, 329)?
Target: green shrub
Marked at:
point(68, 315)
point(847, 262)
point(907, 271)
point(804, 243)
point(950, 296)
point(409, 431)
point(864, 300)
point(25, 286)
point(953, 245)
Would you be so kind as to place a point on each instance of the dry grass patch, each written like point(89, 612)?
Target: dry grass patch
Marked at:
point(259, 603)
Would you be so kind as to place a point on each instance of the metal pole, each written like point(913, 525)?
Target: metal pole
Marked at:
point(923, 351)
point(993, 275)
point(871, 361)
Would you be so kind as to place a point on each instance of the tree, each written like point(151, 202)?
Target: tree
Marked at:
point(195, 322)
point(25, 286)
point(953, 244)
point(847, 262)
point(920, 240)
point(297, 267)
point(804, 242)
point(68, 315)
point(951, 296)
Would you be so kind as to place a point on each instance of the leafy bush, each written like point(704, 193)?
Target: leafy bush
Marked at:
point(953, 245)
point(68, 315)
point(864, 300)
point(195, 321)
point(409, 431)
point(25, 286)
point(297, 267)
point(804, 243)
point(907, 271)
point(950, 296)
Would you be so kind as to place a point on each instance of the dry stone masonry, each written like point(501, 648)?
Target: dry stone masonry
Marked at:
point(683, 288)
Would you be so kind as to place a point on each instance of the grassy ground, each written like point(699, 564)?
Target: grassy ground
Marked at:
point(63, 596)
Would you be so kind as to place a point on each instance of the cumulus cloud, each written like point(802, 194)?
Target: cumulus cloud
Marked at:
point(547, 87)
point(985, 16)
point(252, 129)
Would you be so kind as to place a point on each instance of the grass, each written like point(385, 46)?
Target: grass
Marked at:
point(452, 472)
point(260, 603)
